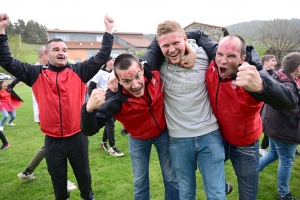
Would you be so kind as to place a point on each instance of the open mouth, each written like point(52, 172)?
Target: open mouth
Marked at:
point(137, 90)
point(222, 71)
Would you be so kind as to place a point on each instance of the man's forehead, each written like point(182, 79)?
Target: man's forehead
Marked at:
point(58, 45)
point(130, 72)
point(173, 36)
point(229, 45)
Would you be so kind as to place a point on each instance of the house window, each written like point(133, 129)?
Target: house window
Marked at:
point(76, 60)
point(63, 37)
point(91, 55)
point(99, 38)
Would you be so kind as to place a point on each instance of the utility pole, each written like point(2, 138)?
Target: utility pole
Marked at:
point(20, 41)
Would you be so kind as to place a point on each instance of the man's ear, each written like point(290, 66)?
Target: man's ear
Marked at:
point(243, 59)
point(46, 53)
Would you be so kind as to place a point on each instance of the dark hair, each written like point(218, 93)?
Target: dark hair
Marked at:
point(290, 62)
point(124, 61)
point(266, 57)
point(1, 84)
point(53, 40)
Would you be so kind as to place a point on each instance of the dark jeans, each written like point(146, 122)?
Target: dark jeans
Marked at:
point(109, 132)
point(74, 149)
point(245, 160)
point(3, 138)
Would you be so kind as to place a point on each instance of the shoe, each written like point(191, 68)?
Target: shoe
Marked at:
point(91, 198)
point(1, 128)
point(5, 146)
point(10, 124)
point(71, 186)
point(286, 197)
point(262, 152)
point(229, 189)
point(115, 152)
point(25, 176)
point(104, 146)
point(297, 153)
point(124, 132)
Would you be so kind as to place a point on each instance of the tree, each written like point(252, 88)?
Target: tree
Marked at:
point(279, 36)
point(15, 47)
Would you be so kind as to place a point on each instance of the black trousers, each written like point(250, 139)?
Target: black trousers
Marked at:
point(109, 132)
point(265, 142)
point(74, 149)
point(3, 138)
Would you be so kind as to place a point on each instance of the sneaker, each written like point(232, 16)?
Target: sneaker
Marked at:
point(104, 146)
point(124, 132)
point(71, 186)
point(5, 146)
point(229, 189)
point(25, 176)
point(262, 152)
point(115, 152)
point(286, 197)
point(1, 128)
point(10, 124)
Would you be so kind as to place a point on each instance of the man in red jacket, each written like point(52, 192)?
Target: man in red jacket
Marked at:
point(139, 106)
point(59, 89)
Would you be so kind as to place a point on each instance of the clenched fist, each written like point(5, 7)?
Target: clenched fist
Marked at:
point(96, 99)
point(249, 78)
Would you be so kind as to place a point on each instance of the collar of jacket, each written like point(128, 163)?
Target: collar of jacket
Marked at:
point(56, 69)
point(123, 97)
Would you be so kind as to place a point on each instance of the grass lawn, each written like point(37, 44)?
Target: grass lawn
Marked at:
point(111, 176)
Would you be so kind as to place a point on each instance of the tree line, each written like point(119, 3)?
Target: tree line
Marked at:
point(30, 32)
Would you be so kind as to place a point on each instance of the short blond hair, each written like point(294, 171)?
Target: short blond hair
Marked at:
point(168, 26)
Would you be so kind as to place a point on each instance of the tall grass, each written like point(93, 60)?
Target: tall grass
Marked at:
point(111, 176)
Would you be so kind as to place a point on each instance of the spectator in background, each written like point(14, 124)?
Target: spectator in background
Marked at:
point(5, 143)
point(100, 81)
point(269, 64)
point(283, 129)
point(9, 102)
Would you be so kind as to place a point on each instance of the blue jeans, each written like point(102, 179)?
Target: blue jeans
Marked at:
point(245, 161)
point(5, 114)
point(140, 151)
point(286, 153)
point(207, 152)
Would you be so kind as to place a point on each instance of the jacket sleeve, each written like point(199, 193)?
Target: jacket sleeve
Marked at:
point(276, 94)
point(253, 58)
point(13, 84)
point(88, 68)
point(25, 72)
point(91, 123)
point(204, 41)
point(153, 56)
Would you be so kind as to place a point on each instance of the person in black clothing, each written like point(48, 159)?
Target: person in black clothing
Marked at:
point(269, 64)
point(100, 81)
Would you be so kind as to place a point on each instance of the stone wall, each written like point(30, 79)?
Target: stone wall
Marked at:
point(134, 50)
point(215, 33)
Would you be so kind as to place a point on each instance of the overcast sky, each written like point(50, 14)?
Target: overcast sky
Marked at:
point(143, 16)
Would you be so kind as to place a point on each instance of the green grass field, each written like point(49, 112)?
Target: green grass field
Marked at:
point(111, 176)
